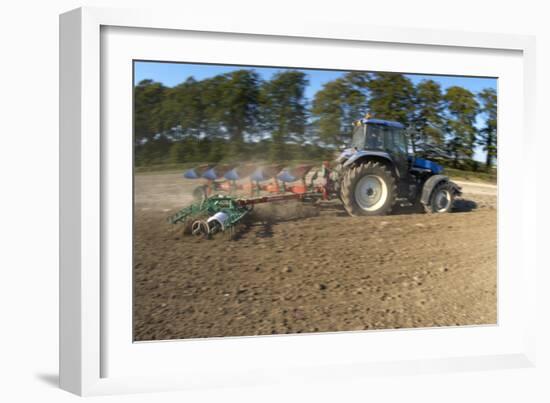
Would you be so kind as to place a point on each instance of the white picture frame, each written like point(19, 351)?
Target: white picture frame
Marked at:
point(87, 314)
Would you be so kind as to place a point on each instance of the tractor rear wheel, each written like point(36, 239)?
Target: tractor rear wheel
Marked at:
point(368, 189)
point(441, 199)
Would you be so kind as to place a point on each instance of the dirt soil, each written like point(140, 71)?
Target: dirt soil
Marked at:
point(298, 269)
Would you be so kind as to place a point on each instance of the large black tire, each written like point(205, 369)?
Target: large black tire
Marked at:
point(441, 199)
point(368, 189)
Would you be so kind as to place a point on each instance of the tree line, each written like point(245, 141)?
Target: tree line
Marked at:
point(239, 116)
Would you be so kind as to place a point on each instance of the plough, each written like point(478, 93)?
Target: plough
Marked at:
point(212, 213)
point(272, 178)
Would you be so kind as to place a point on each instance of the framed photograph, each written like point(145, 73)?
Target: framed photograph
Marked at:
point(243, 204)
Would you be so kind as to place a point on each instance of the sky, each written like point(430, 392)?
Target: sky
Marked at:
point(172, 74)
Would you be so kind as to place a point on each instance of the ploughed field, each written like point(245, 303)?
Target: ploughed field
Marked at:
point(300, 269)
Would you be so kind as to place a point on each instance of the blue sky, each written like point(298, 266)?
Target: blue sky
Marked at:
point(171, 74)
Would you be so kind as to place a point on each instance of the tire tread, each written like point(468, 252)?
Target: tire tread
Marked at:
point(353, 175)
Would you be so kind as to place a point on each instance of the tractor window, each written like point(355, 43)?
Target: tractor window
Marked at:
point(398, 141)
point(358, 140)
point(376, 137)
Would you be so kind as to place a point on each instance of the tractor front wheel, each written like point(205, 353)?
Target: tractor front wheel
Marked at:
point(368, 189)
point(442, 198)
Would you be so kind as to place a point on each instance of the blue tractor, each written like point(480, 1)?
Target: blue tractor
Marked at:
point(379, 172)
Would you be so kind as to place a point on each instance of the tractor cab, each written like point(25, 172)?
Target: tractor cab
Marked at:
point(383, 136)
point(379, 135)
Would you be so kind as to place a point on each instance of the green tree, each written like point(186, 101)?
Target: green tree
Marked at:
point(186, 150)
point(239, 107)
point(153, 151)
point(178, 152)
point(213, 105)
point(428, 119)
point(181, 112)
point(488, 135)
point(217, 150)
point(391, 96)
point(148, 98)
point(224, 106)
point(337, 105)
point(462, 109)
point(283, 110)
